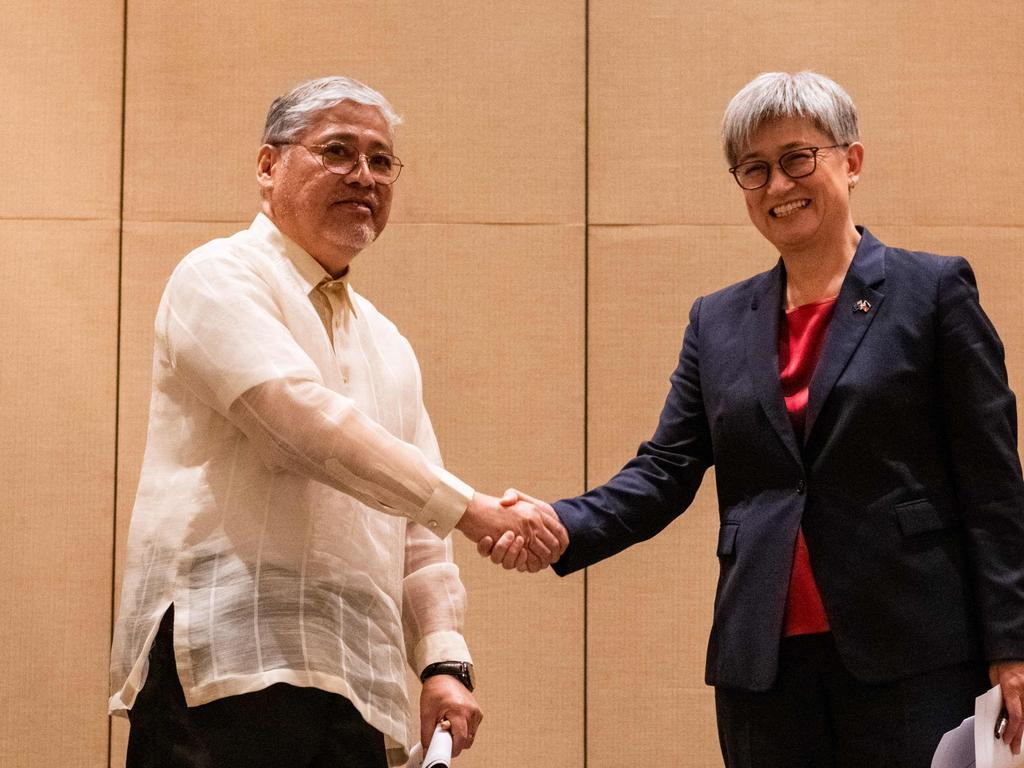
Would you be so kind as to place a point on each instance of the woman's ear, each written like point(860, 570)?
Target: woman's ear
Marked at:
point(854, 163)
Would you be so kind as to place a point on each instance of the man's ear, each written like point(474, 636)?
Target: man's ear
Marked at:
point(266, 161)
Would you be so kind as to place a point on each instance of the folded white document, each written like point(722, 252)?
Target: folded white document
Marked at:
point(989, 751)
point(439, 753)
point(973, 744)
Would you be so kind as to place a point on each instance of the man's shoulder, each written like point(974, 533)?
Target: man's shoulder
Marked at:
point(225, 257)
point(241, 247)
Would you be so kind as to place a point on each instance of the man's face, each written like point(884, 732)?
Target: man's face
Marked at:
point(332, 216)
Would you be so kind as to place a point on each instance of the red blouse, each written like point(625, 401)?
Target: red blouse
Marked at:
point(801, 337)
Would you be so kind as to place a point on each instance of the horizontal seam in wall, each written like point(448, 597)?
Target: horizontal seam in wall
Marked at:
point(747, 225)
point(391, 223)
point(227, 222)
point(114, 219)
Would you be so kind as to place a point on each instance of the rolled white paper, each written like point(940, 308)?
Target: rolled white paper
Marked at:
point(439, 753)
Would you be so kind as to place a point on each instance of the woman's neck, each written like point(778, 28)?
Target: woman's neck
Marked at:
point(818, 274)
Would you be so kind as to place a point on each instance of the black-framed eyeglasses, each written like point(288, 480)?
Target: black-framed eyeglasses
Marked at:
point(340, 158)
point(796, 164)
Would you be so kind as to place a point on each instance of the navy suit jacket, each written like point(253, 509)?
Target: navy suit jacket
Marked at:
point(907, 484)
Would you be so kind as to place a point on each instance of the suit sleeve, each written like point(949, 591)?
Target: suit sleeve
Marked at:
point(981, 421)
point(658, 484)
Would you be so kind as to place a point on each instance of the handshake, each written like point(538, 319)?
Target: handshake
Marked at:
point(516, 531)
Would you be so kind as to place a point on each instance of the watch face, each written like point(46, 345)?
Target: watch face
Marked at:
point(472, 677)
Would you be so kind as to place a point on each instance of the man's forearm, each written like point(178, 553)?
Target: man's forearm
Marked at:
point(306, 428)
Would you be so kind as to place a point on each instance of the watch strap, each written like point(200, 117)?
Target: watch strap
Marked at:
point(460, 670)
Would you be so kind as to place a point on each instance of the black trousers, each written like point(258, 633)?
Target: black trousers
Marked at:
point(282, 726)
point(818, 715)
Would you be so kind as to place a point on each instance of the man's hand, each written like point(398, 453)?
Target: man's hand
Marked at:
point(445, 698)
point(1010, 676)
point(536, 534)
point(509, 549)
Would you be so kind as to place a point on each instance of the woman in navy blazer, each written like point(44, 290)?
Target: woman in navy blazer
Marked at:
point(889, 478)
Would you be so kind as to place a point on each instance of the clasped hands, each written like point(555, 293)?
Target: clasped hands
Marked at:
point(517, 531)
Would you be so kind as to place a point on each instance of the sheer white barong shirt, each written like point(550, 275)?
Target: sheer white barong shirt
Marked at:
point(292, 504)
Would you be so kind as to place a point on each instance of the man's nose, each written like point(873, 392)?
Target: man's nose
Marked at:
point(360, 173)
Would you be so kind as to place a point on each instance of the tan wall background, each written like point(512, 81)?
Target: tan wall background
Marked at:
point(564, 202)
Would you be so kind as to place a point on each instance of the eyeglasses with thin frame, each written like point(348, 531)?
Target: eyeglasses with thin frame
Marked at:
point(340, 158)
point(796, 164)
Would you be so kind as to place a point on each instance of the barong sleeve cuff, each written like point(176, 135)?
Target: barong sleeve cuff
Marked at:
point(440, 646)
point(446, 504)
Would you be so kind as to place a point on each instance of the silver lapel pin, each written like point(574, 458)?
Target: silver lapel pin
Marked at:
point(861, 305)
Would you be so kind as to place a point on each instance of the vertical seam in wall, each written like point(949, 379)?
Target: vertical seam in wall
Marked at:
point(586, 356)
point(117, 356)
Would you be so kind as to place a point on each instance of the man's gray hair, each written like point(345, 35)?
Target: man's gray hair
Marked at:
point(297, 109)
point(774, 95)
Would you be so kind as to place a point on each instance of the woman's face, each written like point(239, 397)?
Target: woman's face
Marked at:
point(809, 213)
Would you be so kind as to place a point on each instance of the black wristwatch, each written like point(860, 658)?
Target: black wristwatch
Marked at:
point(460, 670)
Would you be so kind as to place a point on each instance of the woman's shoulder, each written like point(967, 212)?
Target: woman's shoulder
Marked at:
point(744, 293)
point(922, 278)
point(900, 260)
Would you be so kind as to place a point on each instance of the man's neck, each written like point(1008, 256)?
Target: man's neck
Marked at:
point(334, 261)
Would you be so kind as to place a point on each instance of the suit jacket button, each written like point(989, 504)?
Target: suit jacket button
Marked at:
point(801, 487)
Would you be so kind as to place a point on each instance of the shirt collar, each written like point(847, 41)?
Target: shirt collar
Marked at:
point(308, 271)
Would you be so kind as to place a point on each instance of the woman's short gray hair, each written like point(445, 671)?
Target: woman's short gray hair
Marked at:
point(291, 113)
point(774, 95)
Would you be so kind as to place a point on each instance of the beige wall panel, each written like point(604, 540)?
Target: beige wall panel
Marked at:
point(658, 594)
point(495, 315)
point(938, 97)
point(59, 336)
point(643, 281)
point(118, 741)
point(60, 73)
point(492, 95)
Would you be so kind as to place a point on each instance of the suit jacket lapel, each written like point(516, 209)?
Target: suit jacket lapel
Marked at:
point(856, 307)
point(761, 328)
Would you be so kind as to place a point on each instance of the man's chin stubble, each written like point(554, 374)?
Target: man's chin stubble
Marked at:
point(361, 236)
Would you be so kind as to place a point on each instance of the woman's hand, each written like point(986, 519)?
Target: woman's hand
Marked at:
point(1009, 675)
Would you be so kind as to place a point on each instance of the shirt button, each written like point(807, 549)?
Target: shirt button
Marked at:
point(432, 524)
point(801, 487)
